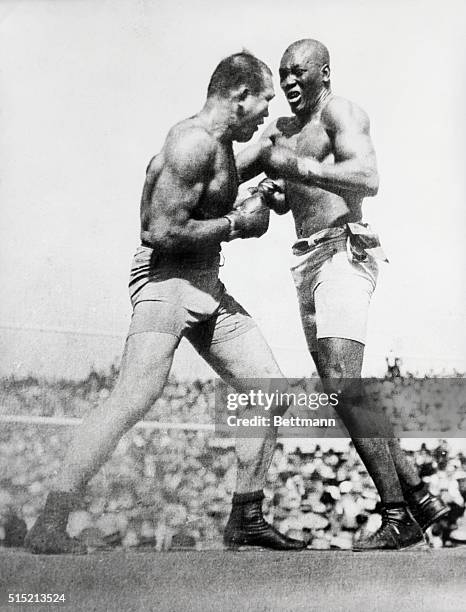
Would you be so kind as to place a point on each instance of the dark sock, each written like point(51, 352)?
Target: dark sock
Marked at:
point(394, 505)
point(418, 488)
point(246, 498)
point(406, 471)
point(379, 464)
point(58, 506)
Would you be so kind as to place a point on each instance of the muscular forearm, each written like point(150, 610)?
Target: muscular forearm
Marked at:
point(249, 162)
point(190, 236)
point(350, 175)
point(340, 177)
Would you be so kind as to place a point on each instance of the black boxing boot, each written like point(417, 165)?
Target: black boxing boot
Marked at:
point(399, 530)
point(247, 526)
point(48, 535)
point(425, 507)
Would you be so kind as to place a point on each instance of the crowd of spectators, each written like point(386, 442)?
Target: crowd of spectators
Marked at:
point(172, 488)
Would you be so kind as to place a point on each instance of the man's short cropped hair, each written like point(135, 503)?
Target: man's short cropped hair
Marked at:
point(236, 70)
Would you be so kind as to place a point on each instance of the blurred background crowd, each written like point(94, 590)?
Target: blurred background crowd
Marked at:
point(171, 489)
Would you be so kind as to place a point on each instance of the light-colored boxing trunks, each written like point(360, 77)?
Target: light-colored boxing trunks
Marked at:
point(183, 298)
point(335, 272)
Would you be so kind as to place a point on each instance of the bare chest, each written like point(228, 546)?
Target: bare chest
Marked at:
point(312, 140)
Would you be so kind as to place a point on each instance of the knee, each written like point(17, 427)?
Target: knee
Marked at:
point(334, 369)
point(128, 406)
point(337, 379)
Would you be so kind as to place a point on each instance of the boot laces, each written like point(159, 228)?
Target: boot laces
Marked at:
point(391, 518)
point(389, 524)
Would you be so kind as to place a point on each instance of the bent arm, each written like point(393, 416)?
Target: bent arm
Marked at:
point(355, 166)
point(188, 162)
point(250, 161)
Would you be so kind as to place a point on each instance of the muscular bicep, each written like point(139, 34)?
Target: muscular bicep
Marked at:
point(353, 166)
point(349, 129)
point(354, 145)
point(173, 200)
point(248, 163)
point(181, 181)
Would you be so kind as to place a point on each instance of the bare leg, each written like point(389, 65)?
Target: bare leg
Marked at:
point(339, 359)
point(407, 473)
point(144, 369)
point(243, 357)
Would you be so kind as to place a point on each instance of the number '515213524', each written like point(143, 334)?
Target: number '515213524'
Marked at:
point(36, 597)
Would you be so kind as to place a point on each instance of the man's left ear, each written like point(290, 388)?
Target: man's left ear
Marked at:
point(240, 97)
point(243, 93)
point(325, 71)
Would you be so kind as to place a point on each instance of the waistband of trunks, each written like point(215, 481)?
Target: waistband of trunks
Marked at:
point(360, 239)
point(202, 258)
point(304, 245)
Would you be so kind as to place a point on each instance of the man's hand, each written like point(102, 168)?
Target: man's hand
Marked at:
point(250, 218)
point(273, 192)
point(268, 188)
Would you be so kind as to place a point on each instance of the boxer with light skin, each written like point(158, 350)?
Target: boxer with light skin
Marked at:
point(188, 208)
point(324, 161)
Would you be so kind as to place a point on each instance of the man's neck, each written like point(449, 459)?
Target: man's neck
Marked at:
point(315, 105)
point(216, 117)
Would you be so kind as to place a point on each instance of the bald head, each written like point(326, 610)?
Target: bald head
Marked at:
point(305, 74)
point(310, 50)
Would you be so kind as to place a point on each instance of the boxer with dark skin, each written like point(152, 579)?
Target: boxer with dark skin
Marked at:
point(324, 159)
point(188, 208)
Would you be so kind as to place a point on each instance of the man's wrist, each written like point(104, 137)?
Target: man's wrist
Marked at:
point(231, 226)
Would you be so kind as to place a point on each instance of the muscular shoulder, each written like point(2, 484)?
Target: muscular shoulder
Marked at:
point(341, 114)
point(189, 148)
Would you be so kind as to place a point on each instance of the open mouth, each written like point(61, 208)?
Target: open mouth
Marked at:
point(293, 97)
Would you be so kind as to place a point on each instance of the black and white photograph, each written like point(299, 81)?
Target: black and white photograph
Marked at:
point(232, 326)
